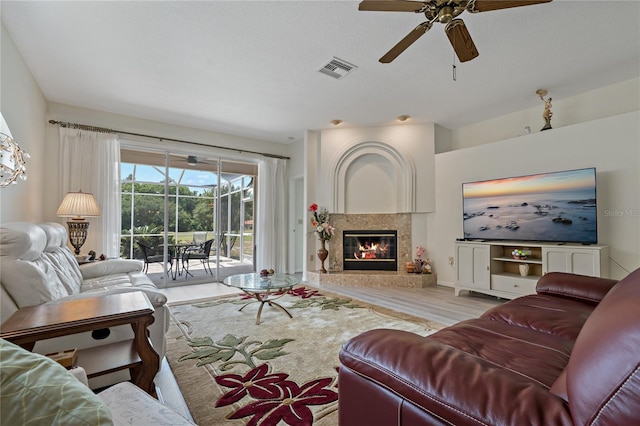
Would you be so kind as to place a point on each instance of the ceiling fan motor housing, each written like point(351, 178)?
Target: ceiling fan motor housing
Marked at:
point(445, 15)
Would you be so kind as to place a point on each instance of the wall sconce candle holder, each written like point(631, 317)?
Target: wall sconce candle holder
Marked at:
point(12, 161)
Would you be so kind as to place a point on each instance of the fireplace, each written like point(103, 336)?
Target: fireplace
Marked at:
point(370, 250)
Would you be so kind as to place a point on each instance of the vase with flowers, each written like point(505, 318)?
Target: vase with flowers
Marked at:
point(322, 227)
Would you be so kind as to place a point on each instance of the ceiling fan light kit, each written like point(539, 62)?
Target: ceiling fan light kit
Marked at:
point(444, 12)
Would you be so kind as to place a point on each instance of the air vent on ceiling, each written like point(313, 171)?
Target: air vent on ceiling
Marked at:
point(337, 68)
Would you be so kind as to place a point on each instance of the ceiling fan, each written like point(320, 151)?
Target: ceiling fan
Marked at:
point(192, 160)
point(444, 12)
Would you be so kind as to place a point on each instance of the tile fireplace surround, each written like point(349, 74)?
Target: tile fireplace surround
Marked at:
point(401, 222)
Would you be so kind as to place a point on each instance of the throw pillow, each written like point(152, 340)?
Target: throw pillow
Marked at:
point(36, 390)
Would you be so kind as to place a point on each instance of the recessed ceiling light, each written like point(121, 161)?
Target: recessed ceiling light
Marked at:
point(404, 117)
point(336, 122)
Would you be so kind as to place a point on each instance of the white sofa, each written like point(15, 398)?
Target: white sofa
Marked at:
point(36, 266)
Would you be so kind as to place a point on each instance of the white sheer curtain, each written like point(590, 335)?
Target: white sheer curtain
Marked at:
point(90, 161)
point(271, 226)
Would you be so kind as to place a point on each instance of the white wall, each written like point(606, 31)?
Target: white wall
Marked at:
point(367, 187)
point(607, 101)
point(23, 107)
point(611, 144)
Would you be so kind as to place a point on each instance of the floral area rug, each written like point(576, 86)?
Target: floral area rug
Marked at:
point(281, 372)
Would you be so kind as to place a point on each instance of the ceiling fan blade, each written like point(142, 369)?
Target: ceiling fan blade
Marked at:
point(407, 41)
point(392, 5)
point(488, 5)
point(461, 40)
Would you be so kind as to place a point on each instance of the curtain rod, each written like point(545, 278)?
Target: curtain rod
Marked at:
point(106, 130)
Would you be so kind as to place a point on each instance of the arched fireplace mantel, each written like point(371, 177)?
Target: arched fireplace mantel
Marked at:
point(399, 166)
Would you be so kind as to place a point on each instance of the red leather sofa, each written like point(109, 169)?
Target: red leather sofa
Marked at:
point(568, 355)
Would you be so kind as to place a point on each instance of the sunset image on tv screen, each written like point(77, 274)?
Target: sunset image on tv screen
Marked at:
point(558, 206)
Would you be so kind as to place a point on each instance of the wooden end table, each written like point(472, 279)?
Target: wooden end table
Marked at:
point(33, 323)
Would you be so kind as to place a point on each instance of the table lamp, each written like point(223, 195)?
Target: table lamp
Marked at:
point(78, 205)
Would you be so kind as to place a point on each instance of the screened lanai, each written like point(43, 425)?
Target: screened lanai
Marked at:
point(174, 203)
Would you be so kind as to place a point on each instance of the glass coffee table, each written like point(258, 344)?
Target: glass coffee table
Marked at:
point(263, 288)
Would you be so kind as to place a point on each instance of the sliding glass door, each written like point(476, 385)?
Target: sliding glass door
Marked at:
point(172, 204)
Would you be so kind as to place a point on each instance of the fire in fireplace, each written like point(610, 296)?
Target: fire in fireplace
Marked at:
point(370, 250)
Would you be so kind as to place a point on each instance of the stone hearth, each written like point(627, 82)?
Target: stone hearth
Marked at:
point(372, 279)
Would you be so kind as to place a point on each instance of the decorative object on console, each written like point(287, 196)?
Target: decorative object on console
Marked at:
point(12, 157)
point(520, 254)
point(78, 205)
point(546, 114)
point(524, 269)
point(321, 225)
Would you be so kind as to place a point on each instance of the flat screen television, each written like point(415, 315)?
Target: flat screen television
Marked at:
point(547, 207)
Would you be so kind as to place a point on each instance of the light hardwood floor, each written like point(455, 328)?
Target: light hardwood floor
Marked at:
point(436, 303)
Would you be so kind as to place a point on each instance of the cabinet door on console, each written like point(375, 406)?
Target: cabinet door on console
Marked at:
point(574, 260)
point(473, 265)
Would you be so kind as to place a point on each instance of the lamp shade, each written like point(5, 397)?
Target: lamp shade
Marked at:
point(78, 205)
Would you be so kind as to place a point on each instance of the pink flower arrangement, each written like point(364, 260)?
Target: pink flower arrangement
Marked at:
point(320, 222)
point(419, 252)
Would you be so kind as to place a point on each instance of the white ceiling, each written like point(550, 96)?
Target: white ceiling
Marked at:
point(250, 68)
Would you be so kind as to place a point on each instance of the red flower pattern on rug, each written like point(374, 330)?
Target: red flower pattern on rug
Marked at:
point(271, 397)
point(256, 383)
point(278, 399)
point(301, 292)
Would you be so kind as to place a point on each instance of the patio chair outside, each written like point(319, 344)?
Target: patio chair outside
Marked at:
point(150, 255)
point(202, 255)
point(199, 238)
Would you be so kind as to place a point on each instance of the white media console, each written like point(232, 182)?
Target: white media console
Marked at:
point(489, 267)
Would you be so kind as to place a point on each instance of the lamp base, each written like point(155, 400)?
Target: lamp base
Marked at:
point(77, 234)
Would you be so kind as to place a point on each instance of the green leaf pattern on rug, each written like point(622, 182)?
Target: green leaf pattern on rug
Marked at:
point(325, 303)
point(226, 349)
